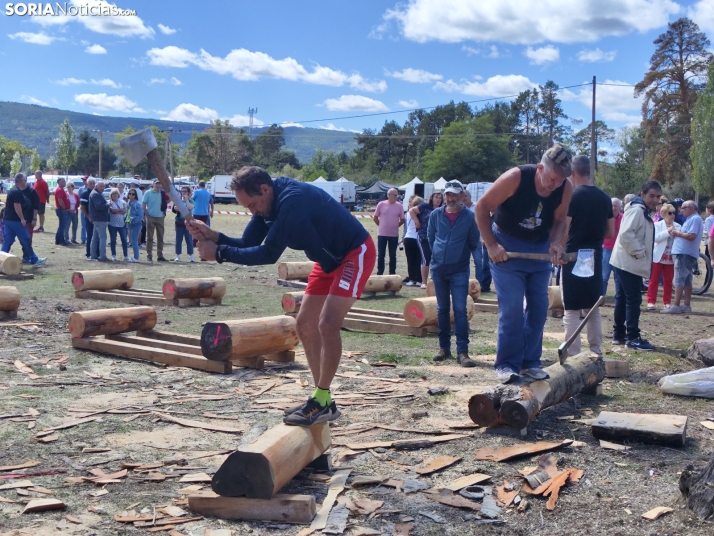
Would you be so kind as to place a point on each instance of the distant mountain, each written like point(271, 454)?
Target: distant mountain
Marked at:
point(34, 126)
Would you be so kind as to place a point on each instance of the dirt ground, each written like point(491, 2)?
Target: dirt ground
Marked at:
point(65, 384)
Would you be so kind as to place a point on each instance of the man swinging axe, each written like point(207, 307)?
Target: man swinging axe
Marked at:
point(296, 215)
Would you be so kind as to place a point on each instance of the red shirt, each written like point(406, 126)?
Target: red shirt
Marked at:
point(61, 194)
point(609, 243)
point(43, 191)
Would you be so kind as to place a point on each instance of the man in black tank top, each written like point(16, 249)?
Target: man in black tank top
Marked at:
point(530, 206)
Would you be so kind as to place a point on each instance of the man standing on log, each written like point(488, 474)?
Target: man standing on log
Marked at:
point(632, 261)
point(296, 215)
point(530, 205)
point(590, 221)
point(453, 236)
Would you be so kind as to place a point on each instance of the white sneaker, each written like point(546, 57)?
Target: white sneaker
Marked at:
point(126, 259)
point(190, 258)
point(536, 373)
point(177, 259)
point(506, 375)
point(423, 286)
point(114, 259)
point(686, 308)
point(672, 310)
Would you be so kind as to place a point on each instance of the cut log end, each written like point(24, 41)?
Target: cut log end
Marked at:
point(9, 299)
point(10, 264)
point(251, 470)
point(482, 410)
point(216, 341)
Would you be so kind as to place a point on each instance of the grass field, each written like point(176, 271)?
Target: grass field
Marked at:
point(616, 489)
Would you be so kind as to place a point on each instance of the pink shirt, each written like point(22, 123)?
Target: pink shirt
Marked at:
point(389, 214)
point(609, 243)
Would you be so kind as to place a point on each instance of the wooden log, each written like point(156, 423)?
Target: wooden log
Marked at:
point(517, 404)
point(294, 270)
point(291, 301)
point(9, 299)
point(474, 288)
point(261, 468)
point(698, 488)
point(283, 508)
point(200, 287)
point(102, 279)
point(667, 430)
point(383, 283)
point(10, 264)
point(233, 339)
point(555, 298)
point(111, 321)
point(422, 311)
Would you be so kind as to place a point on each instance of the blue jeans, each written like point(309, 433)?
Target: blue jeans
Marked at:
point(63, 217)
point(486, 270)
point(628, 300)
point(15, 229)
point(382, 243)
point(121, 231)
point(98, 249)
point(84, 228)
point(181, 235)
point(448, 288)
point(520, 333)
point(71, 222)
point(607, 270)
point(135, 232)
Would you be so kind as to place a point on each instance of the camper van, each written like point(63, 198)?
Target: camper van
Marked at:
point(342, 190)
point(220, 188)
point(423, 190)
point(477, 189)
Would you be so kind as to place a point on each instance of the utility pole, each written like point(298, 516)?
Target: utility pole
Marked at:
point(251, 113)
point(101, 142)
point(593, 140)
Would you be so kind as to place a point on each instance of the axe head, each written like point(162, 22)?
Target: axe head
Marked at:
point(137, 146)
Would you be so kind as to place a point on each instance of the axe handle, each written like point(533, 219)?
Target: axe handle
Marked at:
point(154, 159)
point(568, 257)
point(563, 348)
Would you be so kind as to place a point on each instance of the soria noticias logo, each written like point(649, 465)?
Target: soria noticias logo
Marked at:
point(57, 9)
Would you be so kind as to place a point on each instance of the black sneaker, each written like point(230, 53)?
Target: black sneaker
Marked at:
point(298, 407)
point(618, 342)
point(463, 359)
point(312, 413)
point(640, 344)
point(442, 355)
point(162, 259)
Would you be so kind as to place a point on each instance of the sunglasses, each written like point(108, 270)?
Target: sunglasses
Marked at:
point(454, 185)
point(671, 213)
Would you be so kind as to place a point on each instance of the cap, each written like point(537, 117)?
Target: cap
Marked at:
point(453, 187)
point(561, 158)
point(135, 181)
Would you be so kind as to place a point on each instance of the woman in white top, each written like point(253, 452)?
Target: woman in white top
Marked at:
point(662, 261)
point(117, 224)
point(73, 210)
point(411, 247)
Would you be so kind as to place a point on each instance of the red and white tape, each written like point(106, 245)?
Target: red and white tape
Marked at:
point(362, 216)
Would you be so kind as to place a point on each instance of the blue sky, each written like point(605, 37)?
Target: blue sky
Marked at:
point(317, 62)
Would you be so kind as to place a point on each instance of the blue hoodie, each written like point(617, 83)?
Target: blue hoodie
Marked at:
point(451, 247)
point(302, 217)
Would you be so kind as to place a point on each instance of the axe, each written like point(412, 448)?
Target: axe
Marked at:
point(143, 144)
point(563, 348)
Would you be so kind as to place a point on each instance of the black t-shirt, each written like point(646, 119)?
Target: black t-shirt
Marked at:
point(590, 208)
point(84, 198)
point(28, 200)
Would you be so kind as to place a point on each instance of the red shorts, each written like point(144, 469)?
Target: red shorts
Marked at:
point(349, 279)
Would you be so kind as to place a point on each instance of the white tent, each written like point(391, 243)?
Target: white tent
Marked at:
point(342, 179)
point(415, 180)
point(320, 179)
point(440, 184)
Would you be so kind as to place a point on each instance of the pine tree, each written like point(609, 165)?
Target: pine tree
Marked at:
point(66, 151)
point(702, 151)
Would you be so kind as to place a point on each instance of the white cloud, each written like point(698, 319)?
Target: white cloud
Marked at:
point(95, 49)
point(613, 102)
point(105, 82)
point(350, 103)
point(470, 51)
point(104, 22)
point(596, 55)
point(246, 65)
point(166, 30)
point(703, 14)
point(493, 52)
point(415, 76)
point(291, 124)
point(496, 86)
point(244, 121)
point(192, 114)
point(157, 81)
point(331, 126)
point(33, 100)
point(527, 22)
point(102, 101)
point(80, 81)
point(408, 103)
point(35, 38)
point(543, 55)
point(628, 119)
point(70, 82)
point(160, 112)
point(175, 81)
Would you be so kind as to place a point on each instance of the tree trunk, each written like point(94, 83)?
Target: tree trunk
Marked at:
point(103, 280)
point(111, 321)
point(383, 283)
point(294, 270)
point(420, 312)
point(474, 289)
point(236, 339)
point(9, 299)
point(516, 405)
point(261, 468)
point(205, 287)
point(291, 301)
point(9, 263)
point(699, 490)
point(555, 299)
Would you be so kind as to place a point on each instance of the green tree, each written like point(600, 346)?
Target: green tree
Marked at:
point(15, 163)
point(88, 156)
point(469, 151)
point(526, 108)
point(677, 73)
point(702, 152)
point(66, 151)
point(551, 112)
point(630, 169)
point(581, 142)
point(36, 161)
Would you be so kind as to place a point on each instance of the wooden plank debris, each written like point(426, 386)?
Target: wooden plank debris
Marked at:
point(406, 444)
point(660, 429)
point(33, 463)
point(437, 464)
point(657, 512)
point(41, 505)
point(466, 481)
point(337, 486)
point(199, 424)
point(502, 454)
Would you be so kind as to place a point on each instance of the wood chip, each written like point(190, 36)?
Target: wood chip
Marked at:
point(437, 464)
point(457, 501)
point(657, 512)
point(63, 426)
point(199, 424)
point(366, 506)
point(507, 453)
point(506, 497)
point(18, 484)
point(190, 489)
point(40, 505)
point(403, 529)
point(47, 439)
point(707, 424)
point(612, 446)
point(367, 480)
point(557, 482)
point(468, 480)
point(41, 489)
point(196, 477)
point(73, 519)
point(33, 463)
point(19, 365)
